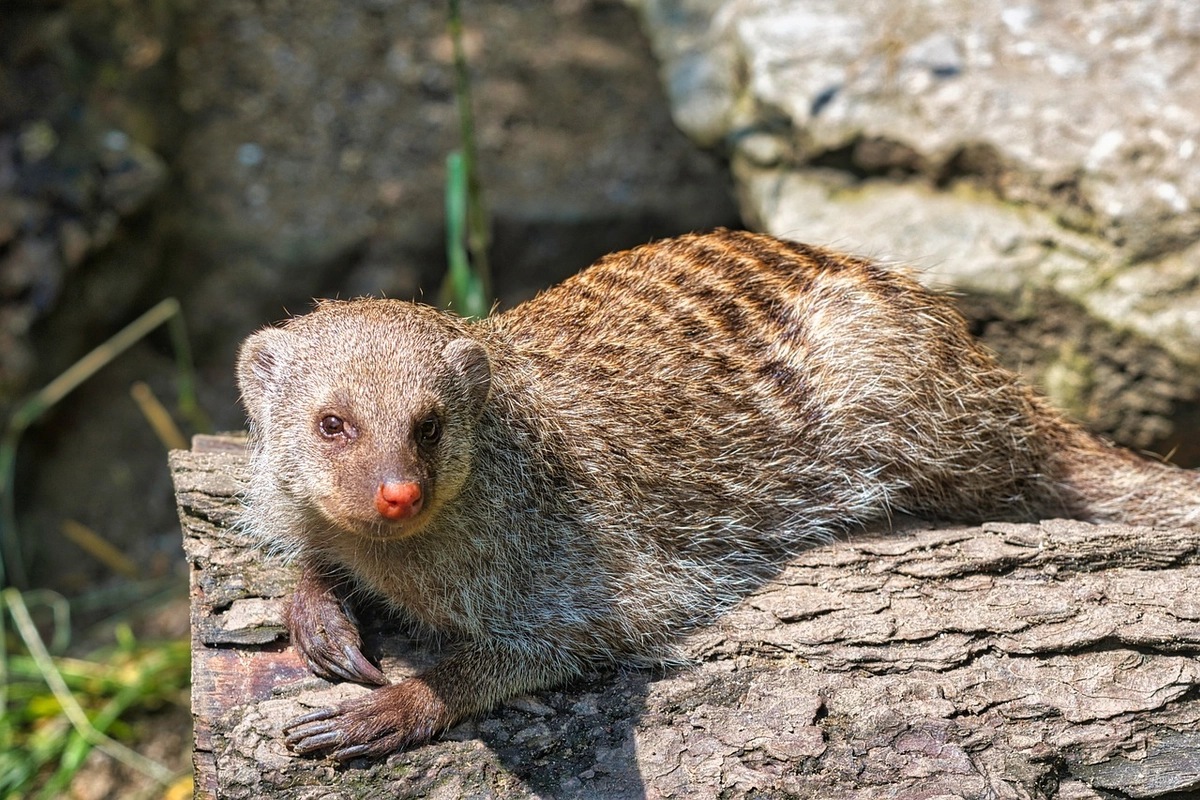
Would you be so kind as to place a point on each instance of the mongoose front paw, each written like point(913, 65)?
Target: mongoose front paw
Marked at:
point(388, 719)
point(326, 634)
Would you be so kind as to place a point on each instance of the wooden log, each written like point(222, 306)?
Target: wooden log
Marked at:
point(999, 661)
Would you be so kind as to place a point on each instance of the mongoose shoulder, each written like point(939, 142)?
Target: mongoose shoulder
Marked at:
point(582, 478)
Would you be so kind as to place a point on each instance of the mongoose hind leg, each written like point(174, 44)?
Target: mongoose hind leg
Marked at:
point(324, 630)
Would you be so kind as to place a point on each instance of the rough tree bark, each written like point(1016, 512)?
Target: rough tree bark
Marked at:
point(1001, 661)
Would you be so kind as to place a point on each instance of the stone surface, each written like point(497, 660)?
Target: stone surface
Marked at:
point(1104, 95)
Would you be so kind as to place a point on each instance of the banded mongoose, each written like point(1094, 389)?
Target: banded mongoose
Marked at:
point(583, 478)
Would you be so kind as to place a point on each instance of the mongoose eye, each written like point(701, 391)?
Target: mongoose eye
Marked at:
point(333, 426)
point(429, 430)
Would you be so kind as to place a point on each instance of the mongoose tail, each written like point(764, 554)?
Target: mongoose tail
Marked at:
point(1105, 483)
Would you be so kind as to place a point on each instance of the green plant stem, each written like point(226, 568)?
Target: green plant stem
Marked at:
point(478, 226)
point(462, 286)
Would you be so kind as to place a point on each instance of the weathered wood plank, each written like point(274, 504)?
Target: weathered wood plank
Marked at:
point(1051, 660)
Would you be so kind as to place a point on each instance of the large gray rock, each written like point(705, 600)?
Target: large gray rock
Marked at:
point(998, 147)
point(1101, 95)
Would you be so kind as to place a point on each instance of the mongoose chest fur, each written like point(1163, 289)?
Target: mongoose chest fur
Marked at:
point(585, 477)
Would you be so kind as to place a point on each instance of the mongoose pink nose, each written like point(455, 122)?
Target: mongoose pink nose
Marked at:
point(398, 500)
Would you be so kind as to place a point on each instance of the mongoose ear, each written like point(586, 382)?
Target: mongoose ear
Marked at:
point(470, 360)
point(259, 360)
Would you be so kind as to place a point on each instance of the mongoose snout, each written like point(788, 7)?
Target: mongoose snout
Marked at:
point(397, 501)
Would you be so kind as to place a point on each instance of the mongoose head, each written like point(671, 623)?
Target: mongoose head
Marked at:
point(364, 412)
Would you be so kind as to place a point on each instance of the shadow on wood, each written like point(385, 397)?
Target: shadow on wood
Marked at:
point(1006, 660)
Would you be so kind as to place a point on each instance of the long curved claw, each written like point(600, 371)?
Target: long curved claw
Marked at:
point(315, 742)
point(329, 712)
point(357, 751)
point(362, 670)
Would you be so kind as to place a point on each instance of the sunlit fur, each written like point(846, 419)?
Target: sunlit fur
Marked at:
point(652, 438)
